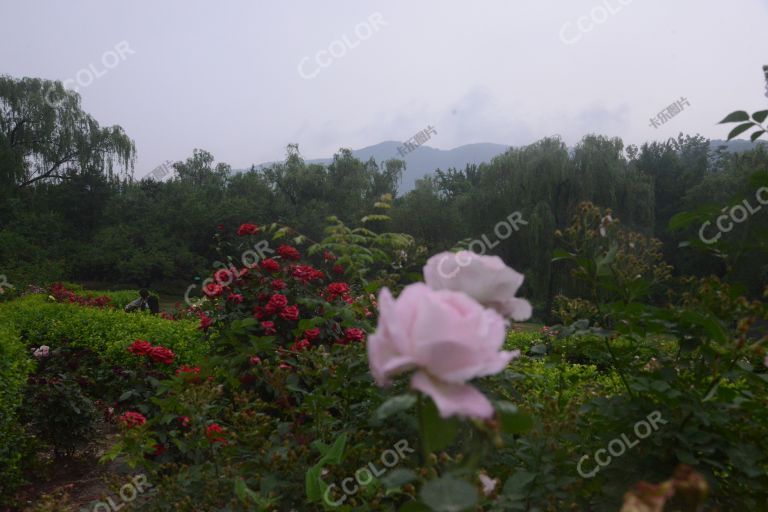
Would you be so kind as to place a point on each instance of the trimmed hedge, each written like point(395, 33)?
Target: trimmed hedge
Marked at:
point(15, 366)
point(108, 332)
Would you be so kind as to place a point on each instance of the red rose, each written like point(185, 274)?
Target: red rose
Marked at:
point(140, 348)
point(223, 277)
point(212, 289)
point(300, 345)
point(186, 369)
point(306, 273)
point(159, 450)
point(247, 229)
point(162, 355)
point(287, 252)
point(269, 327)
point(335, 290)
point(290, 313)
point(185, 421)
point(337, 269)
point(278, 301)
point(354, 334)
point(205, 322)
point(311, 334)
point(258, 312)
point(278, 284)
point(211, 433)
point(235, 298)
point(254, 360)
point(327, 256)
point(132, 419)
point(270, 265)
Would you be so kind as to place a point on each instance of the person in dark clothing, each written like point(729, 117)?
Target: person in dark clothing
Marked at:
point(144, 302)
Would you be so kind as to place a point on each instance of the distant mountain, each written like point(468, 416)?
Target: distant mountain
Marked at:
point(422, 160)
point(425, 160)
point(735, 145)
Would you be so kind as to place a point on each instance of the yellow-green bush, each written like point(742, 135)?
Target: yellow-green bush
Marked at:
point(15, 365)
point(108, 332)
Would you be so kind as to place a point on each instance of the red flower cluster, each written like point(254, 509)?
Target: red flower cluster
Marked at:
point(140, 348)
point(269, 327)
point(212, 289)
point(288, 253)
point(132, 419)
point(335, 290)
point(157, 353)
point(270, 265)
point(186, 369)
point(235, 298)
point(212, 431)
point(61, 294)
point(306, 273)
point(247, 229)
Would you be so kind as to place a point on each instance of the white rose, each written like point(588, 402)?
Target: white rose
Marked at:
point(485, 278)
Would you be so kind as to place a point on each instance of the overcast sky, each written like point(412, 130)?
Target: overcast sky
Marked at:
point(242, 79)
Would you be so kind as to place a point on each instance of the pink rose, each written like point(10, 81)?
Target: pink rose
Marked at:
point(484, 278)
point(447, 337)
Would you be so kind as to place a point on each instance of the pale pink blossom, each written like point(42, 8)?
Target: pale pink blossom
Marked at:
point(489, 484)
point(42, 351)
point(485, 278)
point(447, 339)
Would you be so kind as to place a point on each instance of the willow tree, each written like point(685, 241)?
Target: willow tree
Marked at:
point(45, 136)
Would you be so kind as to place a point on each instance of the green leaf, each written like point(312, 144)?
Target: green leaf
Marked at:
point(735, 117)
point(243, 492)
point(448, 494)
point(560, 254)
point(756, 135)
point(760, 115)
point(438, 432)
point(394, 405)
point(739, 129)
point(515, 484)
point(414, 506)
point(512, 420)
point(398, 478)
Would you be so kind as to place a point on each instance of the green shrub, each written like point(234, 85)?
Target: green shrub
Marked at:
point(107, 332)
point(15, 365)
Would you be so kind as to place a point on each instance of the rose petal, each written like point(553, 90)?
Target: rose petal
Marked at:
point(453, 399)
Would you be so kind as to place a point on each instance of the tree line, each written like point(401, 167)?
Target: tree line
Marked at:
point(71, 209)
